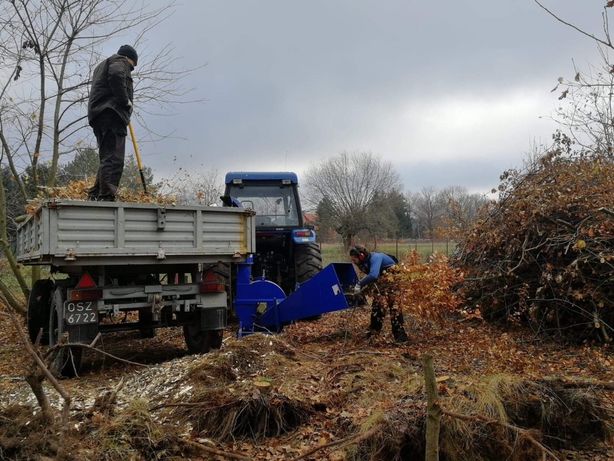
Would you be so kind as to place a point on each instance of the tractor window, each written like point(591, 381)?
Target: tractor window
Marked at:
point(274, 205)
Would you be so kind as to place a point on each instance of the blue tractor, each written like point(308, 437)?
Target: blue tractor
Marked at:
point(286, 248)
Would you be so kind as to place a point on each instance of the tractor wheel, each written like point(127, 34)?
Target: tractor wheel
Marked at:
point(307, 261)
point(202, 341)
point(67, 360)
point(39, 306)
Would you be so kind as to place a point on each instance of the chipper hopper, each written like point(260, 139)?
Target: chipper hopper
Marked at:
point(262, 305)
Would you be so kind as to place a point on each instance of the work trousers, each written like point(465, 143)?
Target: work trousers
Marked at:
point(385, 299)
point(110, 132)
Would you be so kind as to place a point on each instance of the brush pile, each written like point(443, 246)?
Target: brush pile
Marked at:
point(544, 252)
point(235, 396)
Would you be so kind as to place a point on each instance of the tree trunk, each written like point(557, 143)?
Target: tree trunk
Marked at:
point(347, 241)
point(35, 380)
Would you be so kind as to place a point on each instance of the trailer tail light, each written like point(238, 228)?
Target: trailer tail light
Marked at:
point(86, 290)
point(212, 283)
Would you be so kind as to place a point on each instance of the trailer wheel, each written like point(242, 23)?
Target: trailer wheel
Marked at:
point(202, 341)
point(224, 271)
point(145, 318)
point(67, 360)
point(39, 307)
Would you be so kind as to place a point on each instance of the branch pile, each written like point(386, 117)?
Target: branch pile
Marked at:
point(234, 395)
point(544, 252)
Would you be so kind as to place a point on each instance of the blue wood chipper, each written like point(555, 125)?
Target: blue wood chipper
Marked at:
point(261, 305)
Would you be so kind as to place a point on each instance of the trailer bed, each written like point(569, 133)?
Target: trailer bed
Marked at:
point(65, 233)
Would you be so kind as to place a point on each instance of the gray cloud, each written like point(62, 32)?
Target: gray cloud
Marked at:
point(288, 83)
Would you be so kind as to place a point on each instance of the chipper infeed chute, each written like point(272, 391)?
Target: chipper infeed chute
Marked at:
point(262, 305)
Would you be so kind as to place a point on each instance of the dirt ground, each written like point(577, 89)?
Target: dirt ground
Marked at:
point(340, 381)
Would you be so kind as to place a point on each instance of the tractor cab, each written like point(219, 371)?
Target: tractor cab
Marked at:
point(286, 249)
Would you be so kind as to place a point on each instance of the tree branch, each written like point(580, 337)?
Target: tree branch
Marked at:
point(576, 28)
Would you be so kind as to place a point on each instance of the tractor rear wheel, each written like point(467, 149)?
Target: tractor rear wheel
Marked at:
point(307, 261)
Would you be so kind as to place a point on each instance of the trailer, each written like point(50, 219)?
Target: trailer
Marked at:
point(124, 266)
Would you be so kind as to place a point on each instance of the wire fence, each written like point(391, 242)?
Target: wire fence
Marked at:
point(334, 252)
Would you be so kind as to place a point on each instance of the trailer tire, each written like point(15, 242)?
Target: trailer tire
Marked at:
point(201, 341)
point(146, 318)
point(67, 360)
point(39, 307)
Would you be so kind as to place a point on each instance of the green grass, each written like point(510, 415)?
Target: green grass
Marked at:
point(332, 252)
point(9, 279)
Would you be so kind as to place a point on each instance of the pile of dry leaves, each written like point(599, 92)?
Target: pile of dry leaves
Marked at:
point(425, 290)
point(77, 190)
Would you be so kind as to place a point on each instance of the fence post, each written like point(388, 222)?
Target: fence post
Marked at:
point(433, 411)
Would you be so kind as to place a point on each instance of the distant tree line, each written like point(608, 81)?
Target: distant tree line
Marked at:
point(358, 196)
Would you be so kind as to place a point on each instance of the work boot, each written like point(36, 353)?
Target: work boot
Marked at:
point(400, 336)
point(376, 320)
point(396, 322)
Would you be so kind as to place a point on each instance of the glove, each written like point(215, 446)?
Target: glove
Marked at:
point(357, 288)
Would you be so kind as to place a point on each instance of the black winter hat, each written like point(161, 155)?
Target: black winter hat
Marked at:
point(129, 52)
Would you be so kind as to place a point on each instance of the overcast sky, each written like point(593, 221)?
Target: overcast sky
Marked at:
point(450, 92)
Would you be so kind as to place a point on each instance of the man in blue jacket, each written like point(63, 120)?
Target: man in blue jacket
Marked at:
point(375, 265)
point(109, 110)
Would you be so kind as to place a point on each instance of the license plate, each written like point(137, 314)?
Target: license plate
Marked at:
point(80, 313)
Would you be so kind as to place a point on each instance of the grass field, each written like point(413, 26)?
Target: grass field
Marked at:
point(332, 252)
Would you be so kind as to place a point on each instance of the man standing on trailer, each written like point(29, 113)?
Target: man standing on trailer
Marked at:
point(109, 110)
point(380, 268)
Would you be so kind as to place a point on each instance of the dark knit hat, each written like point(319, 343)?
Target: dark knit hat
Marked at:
point(129, 52)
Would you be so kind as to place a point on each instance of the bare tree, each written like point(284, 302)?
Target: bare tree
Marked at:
point(189, 188)
point(428, 207)
point(47, 49)
point(444, 213)
point(586, 109)
point(354, 186)
point(460, 210)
